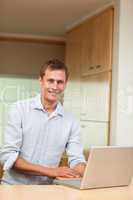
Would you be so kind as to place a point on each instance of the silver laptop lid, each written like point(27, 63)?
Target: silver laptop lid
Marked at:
point(108, 166)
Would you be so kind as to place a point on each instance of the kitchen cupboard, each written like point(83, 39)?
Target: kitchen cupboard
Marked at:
point(97, 43)
point(89, 59)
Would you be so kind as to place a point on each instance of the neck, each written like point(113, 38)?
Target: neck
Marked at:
point(48, 106)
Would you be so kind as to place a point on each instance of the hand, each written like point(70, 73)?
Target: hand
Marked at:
point(80, 168)
point(65, 172)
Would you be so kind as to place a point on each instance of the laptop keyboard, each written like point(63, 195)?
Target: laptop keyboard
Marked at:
point(70, 182)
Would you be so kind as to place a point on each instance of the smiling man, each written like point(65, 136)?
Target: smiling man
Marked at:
point(39, 131)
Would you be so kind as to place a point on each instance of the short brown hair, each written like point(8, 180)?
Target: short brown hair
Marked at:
point(54, 64)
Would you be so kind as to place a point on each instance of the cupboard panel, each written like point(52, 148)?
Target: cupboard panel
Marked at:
point(94, 134)
point(95, 94)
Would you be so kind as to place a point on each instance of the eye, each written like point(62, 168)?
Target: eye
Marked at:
point(60, 82)
point(51, 80)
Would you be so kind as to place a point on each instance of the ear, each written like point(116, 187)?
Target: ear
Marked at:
point(40, 80)
point(66, 83)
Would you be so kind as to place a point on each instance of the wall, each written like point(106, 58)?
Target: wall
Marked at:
point(122, 88)
point(26, 58)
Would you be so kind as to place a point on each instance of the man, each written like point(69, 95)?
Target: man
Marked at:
point(39, 131)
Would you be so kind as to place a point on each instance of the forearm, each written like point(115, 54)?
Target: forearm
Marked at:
point(26, 167)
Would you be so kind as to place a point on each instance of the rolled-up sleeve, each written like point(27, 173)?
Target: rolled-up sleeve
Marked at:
point(74, 147)
point(12, 138)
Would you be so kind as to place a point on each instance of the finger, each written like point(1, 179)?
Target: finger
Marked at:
point(75, 173)
point(72, 174)
point(69, 176)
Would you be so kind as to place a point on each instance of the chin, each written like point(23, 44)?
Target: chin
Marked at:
point(53, 100)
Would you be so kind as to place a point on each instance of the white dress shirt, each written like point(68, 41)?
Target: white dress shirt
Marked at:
point(39, 138)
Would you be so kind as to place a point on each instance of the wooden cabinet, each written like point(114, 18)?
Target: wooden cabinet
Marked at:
point(88, 57)
point(73, 52)
point(97, 43)
point(87, 49)
point(73, 61)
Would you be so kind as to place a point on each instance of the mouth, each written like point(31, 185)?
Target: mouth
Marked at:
point(53, 93)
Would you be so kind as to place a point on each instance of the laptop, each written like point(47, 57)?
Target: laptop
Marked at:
point(107, 166)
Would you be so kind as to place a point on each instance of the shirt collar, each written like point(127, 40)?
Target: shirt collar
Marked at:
point(36, 104)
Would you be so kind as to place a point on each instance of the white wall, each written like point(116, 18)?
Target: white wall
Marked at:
point(122, 88)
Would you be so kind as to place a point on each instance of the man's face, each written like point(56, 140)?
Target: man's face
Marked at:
point(52, 84)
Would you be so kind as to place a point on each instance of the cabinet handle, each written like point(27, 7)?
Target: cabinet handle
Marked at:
point(91, 67)
point(98, 66)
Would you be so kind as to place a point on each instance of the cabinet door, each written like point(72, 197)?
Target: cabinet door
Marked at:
point(86, 51)
point(102, 41)
point(93, 133)
point(95, 94)
point(97, 43)
point(73, 62)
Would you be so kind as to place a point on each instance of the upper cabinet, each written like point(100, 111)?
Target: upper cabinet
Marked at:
point(97, 43)
point(73, 61)
point(73, 51)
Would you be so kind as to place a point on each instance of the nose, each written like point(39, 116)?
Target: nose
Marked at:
point(55, 85)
